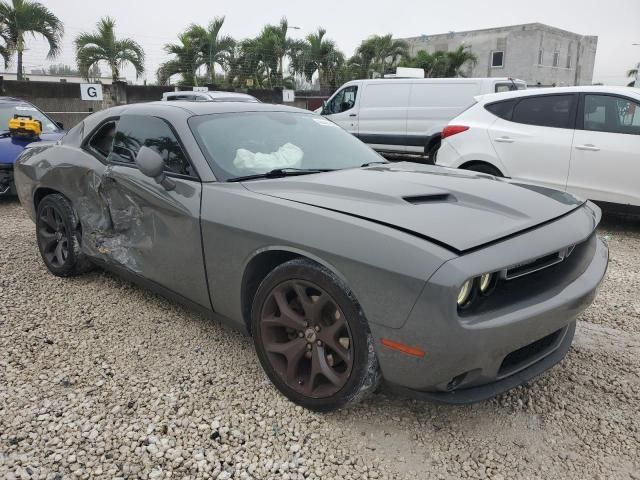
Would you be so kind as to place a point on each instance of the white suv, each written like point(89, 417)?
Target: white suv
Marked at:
point(585, 140)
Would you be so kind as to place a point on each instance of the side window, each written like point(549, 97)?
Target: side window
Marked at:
point(135, 131)
point(497, 59)
point(545, 111)
point(344, 100)
point(181, 97)
point(102, 141)
point(503, 109)
point(607, 113)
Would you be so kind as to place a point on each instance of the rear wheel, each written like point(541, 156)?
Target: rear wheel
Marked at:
point(312, 338)
point(432, 152)
point(484, 168)
point(58, 237)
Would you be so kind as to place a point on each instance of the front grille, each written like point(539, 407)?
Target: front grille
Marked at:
point(537, 264)
point(521, 357)
point(537, 284)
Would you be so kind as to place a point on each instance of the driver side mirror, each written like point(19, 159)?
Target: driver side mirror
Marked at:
point(151, 164)
point(324, 111)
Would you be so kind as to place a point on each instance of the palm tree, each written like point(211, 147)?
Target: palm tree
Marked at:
point(441, 64)
point(249, 62)
point(213, 47)
point(25, 16)
point(318, 54)
point(362, 61)
point(187, 59)
point(103, 46)
point(382, 50)
point(459, 58)
point(5, 50)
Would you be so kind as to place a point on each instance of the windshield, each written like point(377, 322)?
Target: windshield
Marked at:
point(8, 110)
point(249, 143)
point(508, 87)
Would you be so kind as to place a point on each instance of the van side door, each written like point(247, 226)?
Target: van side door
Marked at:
point(383, 115)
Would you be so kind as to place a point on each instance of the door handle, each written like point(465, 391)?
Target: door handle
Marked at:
point(504, 140)
point(352, 115)
point(588, 146)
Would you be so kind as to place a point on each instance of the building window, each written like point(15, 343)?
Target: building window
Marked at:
point(540, 56)
point(556, 59)
point(497, 59)
point(568, 61)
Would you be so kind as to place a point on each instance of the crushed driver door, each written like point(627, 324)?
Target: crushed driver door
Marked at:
point(151, 231)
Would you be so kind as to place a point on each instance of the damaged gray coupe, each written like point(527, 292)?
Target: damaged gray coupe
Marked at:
point(346, 270)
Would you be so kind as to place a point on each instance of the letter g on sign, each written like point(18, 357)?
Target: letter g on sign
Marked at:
point(91, 92)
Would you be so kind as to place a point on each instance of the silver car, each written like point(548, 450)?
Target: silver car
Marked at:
point(346, 270)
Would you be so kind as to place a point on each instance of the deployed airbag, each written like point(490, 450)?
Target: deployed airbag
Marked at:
point(287, 156)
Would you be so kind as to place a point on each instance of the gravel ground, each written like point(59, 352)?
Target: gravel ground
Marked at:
point(100, 379)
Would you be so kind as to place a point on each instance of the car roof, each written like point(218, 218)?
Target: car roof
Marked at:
point(206, 108)
point(13, 100)
point(492, 97)
point(213, 94)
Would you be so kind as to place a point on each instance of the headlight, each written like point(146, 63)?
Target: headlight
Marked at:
point(486, 282)
point(465, 293)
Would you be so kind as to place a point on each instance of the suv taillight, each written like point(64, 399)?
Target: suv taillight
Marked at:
point(453, 129)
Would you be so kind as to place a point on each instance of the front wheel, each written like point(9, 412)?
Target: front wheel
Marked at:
point(312, 338)
point(59, 238)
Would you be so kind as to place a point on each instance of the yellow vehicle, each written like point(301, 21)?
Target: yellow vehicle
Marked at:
point(25, 126)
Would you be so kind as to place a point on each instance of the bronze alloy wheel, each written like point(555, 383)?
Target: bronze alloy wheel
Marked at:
point(59, 237)
point(53, 236)
point(306, 338)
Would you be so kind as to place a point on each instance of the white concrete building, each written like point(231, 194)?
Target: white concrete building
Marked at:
point(534, 52)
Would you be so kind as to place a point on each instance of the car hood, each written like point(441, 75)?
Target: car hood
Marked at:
point(457, 209)
point(11, 148)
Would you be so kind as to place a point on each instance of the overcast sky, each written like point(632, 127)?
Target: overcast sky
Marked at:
point(153, 23)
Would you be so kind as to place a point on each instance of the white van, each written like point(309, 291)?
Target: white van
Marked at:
point(407, 115)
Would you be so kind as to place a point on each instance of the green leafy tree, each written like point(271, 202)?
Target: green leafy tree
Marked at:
point(442, 64)
point(104, 46)
point(381, 52)
point(21, 17)
point(319, 54)
point(459, 58)
point(214, 48)
point(187, 58)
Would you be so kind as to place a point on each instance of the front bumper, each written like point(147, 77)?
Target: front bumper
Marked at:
point(486, 391)
point(473, 357)
point(7, 185)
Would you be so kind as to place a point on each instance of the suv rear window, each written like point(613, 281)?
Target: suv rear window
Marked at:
point(502, 109)
point(545, 111)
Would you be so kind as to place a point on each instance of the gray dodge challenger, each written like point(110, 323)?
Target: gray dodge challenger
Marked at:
point(346, 270)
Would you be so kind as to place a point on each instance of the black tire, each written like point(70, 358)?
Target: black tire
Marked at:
point(484, 168)
point(58, 236)
point(432, 152)
point(360, 377)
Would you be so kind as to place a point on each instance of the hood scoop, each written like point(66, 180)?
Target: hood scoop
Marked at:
point(432, 198)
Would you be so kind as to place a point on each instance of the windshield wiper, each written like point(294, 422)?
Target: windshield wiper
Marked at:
point(368, 164)
point(281, 172)
point(5, 133)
